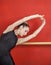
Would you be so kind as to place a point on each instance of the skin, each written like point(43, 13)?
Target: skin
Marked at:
point(22, 31)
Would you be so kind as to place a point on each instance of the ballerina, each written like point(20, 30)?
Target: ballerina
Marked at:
point(9, 39)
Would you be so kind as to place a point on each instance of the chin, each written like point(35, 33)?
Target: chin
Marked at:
point(21, 35)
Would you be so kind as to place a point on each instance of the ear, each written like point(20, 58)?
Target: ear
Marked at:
point(21, 27)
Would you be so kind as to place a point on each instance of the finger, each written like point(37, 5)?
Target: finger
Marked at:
point(43, 15)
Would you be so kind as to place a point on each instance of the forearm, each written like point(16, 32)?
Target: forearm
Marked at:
point(12, 26)
point(36, 32)
point(40, 28)
point(25, 19)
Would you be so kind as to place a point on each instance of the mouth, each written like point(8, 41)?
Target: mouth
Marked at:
point(21, 35)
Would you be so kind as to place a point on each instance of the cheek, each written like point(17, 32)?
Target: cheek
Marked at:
point(25, 33)
point(22, 32)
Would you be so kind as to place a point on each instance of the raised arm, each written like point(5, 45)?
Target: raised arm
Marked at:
point(25, 19)
point(35, 33)
point(12, 26)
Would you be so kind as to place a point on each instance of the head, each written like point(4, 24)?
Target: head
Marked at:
point(22, 29)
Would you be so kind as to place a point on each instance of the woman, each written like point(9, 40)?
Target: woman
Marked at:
point(9, 38)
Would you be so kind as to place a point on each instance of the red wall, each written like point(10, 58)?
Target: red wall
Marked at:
point(12, 10)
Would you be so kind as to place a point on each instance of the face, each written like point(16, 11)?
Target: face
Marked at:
point(24, 31)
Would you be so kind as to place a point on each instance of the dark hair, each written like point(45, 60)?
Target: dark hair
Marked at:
point(23, 24)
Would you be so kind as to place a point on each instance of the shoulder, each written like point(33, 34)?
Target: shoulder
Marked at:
point(8, 34)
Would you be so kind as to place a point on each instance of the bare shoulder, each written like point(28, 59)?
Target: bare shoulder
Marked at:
point(20, 41)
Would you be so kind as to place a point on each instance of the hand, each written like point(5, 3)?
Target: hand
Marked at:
point(38, 15)
point(41, 16)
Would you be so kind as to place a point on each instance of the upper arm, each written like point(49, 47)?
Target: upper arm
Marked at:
point(22, 40)
point(8, 29)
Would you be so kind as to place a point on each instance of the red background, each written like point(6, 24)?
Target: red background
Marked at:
point(12, 10)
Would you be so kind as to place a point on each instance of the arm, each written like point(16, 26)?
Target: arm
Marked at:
point(22, 40)
point(12, 26)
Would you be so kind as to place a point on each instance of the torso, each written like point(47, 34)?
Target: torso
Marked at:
point(8, 41)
